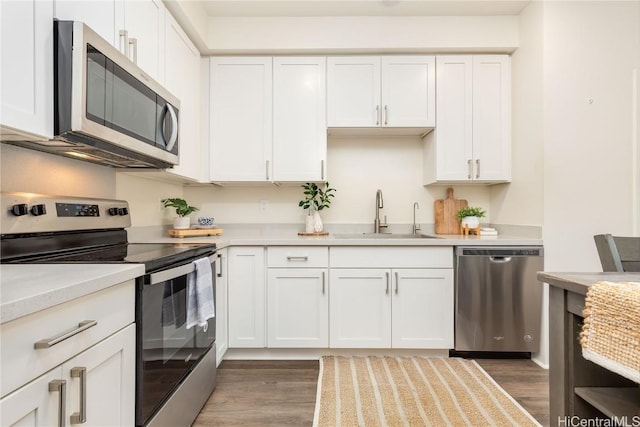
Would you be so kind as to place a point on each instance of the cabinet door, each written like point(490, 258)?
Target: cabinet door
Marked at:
point(297, 308)
point(105, 17)
point(353, 91)
point(222, 334)
point(422, 309)
point(246, 297)
point(144, 22)
point(182, 79)
point(492, 117)
point(109, 369)
point(33, 404)
point(408, 91)
point(26, 52)
point(454, 125)
point(360, 308)
point(299, 118)
point(240, 119)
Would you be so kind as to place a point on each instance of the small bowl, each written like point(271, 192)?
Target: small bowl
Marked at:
point(205, 221)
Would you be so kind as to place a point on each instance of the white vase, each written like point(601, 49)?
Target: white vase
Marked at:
point(317, 222)
point(470, 221)
point(181, 222)
point(308, 223)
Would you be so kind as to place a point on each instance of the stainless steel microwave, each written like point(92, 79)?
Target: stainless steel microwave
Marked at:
point(106, 109)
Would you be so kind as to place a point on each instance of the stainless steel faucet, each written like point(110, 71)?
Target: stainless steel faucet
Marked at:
point(377, 225)
point(416, 227)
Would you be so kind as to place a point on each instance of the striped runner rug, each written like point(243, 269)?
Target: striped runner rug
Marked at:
point(412, 391)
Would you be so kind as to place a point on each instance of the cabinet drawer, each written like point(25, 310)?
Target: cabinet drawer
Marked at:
point(112, 309)
point(298, 256)
point(391, 257)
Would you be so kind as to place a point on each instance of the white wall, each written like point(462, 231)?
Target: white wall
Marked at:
point(590, 52)
point(357, 167)
point(335, 34)
point(521, 201)
point(31, 171)
point(144, 197)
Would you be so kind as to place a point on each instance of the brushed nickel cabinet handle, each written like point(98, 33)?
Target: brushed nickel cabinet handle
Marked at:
point(124, 42)
point(220, 264)
point(60, 386)
point(80, 417)
point(469, 167)
point(477, 168)
point(133, 50)
point(377, 115)
point(50, 342)
point(267, 169)
point(322, 170)
point(387, 289)
point(397, 277)
point(323, 283)
point(297, 258)
point(386, 115)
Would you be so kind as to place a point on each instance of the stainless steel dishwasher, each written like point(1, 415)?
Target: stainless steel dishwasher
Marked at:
point(498, 298)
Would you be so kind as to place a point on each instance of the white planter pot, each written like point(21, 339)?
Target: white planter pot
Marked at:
point(317, 222)
point(181, 223)
point(308, 223)
point(470, 221)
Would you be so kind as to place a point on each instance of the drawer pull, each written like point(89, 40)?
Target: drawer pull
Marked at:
point(60, 386)
point(80, 417)
point(297, 258)
point(50, 342)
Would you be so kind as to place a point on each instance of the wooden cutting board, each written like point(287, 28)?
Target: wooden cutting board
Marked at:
point(445, 214)
point(194, 232)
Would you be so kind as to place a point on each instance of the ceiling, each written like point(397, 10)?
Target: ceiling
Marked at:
point(288, 8)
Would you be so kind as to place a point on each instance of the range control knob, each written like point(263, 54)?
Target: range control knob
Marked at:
point(123, 211)
point(38, 210)
point(20, 209)
point(112, 211)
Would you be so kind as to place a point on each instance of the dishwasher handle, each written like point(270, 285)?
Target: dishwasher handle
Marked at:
point(500, 259)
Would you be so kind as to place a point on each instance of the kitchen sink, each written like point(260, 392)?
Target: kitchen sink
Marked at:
point(382, 236)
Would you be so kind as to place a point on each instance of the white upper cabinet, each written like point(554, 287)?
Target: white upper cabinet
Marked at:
point(135, 27)
point(144, 21)
point(26, 54)
point(182, 79)
point(241, 119)
point(472, 140)
point(299, 118)
point(387, 91)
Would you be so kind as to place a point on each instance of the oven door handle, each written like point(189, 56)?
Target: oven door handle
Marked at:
point(172, 273)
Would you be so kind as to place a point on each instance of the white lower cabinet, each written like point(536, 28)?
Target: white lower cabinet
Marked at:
point(360, 308)
point(53, 358)
point(108, 372)
point(298, 308)
point(422, 308)
point(392, 297)
point(246, 297)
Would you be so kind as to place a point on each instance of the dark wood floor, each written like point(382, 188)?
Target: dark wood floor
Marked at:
point(280, 393)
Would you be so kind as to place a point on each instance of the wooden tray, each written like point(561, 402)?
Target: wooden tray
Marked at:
point(193, 232)
point(320, 233)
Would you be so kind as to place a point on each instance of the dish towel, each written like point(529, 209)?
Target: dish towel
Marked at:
point(200, 304)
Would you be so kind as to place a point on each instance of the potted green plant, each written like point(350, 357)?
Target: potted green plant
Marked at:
point(470, 216)
point(183, 209)
point(316, 199)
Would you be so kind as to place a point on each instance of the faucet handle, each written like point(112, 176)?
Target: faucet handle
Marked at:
point(383, 224)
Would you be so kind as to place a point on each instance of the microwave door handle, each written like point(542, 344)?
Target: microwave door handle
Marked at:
point(172, 273)
point(171, 141)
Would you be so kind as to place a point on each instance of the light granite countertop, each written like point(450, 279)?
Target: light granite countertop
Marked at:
point(26, 289)
point(287, 235)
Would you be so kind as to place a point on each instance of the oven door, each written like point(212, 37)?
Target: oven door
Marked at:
point(166, 351)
